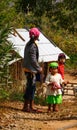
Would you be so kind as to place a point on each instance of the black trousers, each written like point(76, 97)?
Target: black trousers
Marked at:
point(30, 86)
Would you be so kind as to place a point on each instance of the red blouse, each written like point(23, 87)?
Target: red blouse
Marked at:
point(61, 69)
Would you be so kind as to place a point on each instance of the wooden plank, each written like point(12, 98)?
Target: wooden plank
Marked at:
point(18, 34)
point(70, 87)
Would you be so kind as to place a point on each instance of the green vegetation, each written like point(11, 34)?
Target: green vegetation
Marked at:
point(5, 51)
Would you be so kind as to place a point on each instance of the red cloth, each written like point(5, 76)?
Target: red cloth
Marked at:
point(55, 86)
point(61, 69)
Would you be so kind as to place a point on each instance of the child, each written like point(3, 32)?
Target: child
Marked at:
point(61, 62)
point(53, 81)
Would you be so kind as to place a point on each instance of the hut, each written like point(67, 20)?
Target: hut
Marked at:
point(48, 51)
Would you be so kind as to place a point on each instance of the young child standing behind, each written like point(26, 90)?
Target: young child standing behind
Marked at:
point(53, 81)
point(61, 66)
point(61, 62)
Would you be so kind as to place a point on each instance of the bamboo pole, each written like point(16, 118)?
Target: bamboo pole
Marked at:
point(18, 34)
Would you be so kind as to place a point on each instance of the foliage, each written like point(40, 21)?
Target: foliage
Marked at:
point(4, 94)
point(9, 95)
point(15, 96)
point(5, 51)
point(62, 13)
point(8, 14)
point(66, 15)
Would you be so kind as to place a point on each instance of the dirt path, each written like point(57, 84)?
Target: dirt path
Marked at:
point(70, 78)
point(13, 118)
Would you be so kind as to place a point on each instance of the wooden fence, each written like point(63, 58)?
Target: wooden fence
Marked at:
point(70, 89)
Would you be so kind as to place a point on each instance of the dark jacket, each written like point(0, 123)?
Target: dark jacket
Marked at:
point(31, 55)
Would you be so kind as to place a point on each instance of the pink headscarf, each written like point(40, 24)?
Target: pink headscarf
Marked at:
point(34, 32)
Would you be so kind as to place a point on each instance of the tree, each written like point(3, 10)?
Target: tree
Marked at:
point(65, 14)
point(9, 14)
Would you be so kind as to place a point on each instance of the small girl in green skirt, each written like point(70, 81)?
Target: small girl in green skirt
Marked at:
point(53, 81)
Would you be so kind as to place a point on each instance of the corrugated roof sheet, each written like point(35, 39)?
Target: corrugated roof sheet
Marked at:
point(48, 51)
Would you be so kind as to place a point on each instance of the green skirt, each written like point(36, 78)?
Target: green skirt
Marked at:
point(51, 99)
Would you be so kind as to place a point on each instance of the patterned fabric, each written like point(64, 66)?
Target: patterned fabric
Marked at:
point(50, 79)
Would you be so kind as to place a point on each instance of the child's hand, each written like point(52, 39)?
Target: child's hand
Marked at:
point(66, 82)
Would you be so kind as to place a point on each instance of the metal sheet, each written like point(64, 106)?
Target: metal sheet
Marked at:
point(48, 51)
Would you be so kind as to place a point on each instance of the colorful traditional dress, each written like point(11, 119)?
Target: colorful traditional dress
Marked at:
point(53, 92)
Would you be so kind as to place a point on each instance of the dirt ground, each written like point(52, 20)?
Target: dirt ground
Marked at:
point(70, 78)
point(13, 118)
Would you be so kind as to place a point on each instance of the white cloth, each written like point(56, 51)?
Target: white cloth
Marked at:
point(50, 79)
